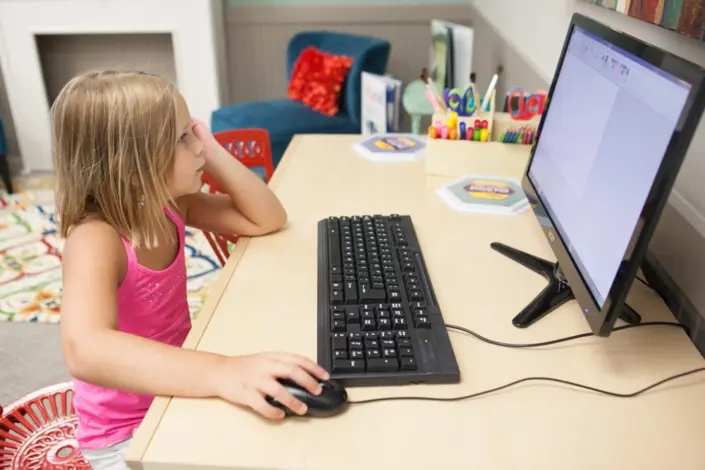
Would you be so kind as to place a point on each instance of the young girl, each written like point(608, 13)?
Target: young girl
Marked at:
point(128, 161)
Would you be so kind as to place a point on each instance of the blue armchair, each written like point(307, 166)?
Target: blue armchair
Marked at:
point(4, 164)
point(284, 118)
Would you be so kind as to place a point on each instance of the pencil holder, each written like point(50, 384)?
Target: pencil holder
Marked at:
point(456, 123)
point(456, 158)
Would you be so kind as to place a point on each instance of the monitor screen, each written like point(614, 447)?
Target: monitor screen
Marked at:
point(611, 118)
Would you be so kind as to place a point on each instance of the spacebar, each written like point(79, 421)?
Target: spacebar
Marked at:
point(334, 258)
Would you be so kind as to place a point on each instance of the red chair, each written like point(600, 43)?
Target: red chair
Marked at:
point(37, 432)
point(253, 149)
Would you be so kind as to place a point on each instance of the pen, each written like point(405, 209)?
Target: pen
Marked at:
point(431, 92)
point(493, 84)
point(431, 86)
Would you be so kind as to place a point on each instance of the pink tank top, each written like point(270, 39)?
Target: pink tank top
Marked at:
point(151, 304)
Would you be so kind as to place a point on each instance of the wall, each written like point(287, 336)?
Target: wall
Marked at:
point(256, 35)
point(257, 38)
point(536, 30)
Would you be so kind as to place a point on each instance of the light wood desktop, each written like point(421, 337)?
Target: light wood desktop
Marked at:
point(266, 300)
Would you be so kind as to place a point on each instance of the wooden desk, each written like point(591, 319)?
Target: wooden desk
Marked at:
point(266, 300)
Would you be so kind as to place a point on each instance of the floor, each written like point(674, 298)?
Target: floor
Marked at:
point(30, 358)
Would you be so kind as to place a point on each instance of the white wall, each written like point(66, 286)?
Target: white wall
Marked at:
point(537, 28)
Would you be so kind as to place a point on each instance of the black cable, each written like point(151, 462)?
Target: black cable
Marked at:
point(537, 379)
point(646, 283)
point(556, 341)
point(543, 379)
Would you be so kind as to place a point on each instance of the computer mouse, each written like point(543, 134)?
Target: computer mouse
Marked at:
point(332, 400)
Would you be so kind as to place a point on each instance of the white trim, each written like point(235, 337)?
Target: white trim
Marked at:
point(194, 38)
point(689, 213)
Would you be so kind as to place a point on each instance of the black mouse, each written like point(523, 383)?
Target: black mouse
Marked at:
point(332, 400)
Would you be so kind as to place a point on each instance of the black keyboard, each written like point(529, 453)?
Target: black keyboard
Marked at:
point(378, 319)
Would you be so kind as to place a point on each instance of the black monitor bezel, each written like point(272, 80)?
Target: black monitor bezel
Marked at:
point(602, 320)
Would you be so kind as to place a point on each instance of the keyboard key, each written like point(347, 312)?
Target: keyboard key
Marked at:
point(338, 316)
point(387, 353)
point(403, 343)
point(399, 323)
point(371, 344)
point(336, 296)
point(334, 258)
point(384, 324)
point(422, 322)
point(368, 294)
point(415, 295)
point(352, 316)
point(340, 354)
point(350, 292)
point(340, 342)
point(356, 354)
point(355, 344)
point(406, 352)
point(408, 363)
point(382, 365)
point(368, 325)
point(338, 326)
point(342, 366)
point(373, 354)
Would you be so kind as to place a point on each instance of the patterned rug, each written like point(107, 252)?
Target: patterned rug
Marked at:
point(30, 260)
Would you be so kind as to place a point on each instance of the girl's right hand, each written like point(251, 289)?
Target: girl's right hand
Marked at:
point(248, 380)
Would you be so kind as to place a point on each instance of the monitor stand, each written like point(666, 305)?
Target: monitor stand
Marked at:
point(554, 295)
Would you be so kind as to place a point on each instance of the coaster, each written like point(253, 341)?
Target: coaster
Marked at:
point(391, 148)
point(477, 193)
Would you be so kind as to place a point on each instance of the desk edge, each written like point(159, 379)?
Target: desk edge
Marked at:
point(145, 432)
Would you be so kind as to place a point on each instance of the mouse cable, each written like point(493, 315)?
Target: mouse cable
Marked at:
point(559, 340)
point(535, 379)
point(542, 379)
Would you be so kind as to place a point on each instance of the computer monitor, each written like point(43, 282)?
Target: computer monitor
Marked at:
point(619, 118)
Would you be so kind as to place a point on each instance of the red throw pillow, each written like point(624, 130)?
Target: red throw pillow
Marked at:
point(317, 79)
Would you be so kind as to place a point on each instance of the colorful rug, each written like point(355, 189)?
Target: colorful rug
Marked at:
point(30, 260)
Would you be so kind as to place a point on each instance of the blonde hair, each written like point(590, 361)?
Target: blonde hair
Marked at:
point(113, 139)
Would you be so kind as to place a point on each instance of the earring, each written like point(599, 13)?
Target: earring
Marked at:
point(140, 201)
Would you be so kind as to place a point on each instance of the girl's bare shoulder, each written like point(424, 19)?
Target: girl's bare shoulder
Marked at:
point(94, 243)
